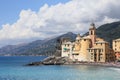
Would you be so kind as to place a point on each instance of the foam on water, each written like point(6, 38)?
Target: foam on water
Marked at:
point(115, 69)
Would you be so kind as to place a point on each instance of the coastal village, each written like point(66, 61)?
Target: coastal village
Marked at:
point(91, 48)
point(86, 50)
point(60, 40)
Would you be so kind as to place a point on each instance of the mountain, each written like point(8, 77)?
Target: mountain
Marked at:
point(108, 31)
point(17, 49)
point(38, 47)
point(48, 46)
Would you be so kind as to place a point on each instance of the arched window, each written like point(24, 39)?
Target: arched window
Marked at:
point(91, 32)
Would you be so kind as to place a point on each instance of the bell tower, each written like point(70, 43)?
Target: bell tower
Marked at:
point(92, 33)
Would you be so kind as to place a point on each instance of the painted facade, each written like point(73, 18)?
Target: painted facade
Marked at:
point(88, 48)
point(116, 48)
point(101, 52)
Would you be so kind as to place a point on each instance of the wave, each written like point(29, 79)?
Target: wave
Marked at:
point(116, 69)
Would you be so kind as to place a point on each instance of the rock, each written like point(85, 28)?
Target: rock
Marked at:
point(52, 60)
point(34, 63)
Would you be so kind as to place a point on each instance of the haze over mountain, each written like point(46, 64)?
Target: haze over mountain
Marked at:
point(108, 31)
point(40, 47)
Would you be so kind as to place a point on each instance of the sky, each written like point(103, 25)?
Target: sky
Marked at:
point(24, 21)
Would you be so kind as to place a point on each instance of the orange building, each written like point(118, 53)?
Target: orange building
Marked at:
point(116, 48)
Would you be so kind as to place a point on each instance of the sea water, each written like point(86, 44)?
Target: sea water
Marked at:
point(13, 68)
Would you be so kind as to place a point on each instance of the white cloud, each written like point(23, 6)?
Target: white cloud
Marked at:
point(74, 16)
point(109, 20)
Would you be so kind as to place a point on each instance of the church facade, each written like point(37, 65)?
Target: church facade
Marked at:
point(88, 48)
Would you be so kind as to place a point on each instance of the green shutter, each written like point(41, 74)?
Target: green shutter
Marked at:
point(65, 49)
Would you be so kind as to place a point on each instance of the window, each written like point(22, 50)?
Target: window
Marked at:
point(91, 53)
point(99, 58)
point(91, 33)
point(100, 50)
point(68, 45)
point(65, 44)
point(91, 50)
point(65, 49)
point(91, 58)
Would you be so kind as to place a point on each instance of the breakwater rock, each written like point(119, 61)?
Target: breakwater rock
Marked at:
point(52, 60)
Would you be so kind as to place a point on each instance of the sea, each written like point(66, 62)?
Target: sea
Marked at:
point(13, 68)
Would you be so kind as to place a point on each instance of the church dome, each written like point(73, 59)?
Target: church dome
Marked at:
point(78, 37)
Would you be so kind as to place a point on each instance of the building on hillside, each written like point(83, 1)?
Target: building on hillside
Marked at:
point(116, 48)
point(88, 48)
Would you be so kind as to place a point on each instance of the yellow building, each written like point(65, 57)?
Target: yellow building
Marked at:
point(116, 48)
point(101, 52)
point(80, 46)
point(88, 48)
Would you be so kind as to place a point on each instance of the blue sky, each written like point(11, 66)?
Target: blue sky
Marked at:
point(23, 21)
point(10, 9)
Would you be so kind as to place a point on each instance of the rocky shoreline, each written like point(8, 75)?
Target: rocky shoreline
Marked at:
point(52, 60)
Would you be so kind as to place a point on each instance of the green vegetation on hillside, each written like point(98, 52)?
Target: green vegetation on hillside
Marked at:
point(109, 31)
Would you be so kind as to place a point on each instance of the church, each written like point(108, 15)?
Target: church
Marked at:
point(88, 48)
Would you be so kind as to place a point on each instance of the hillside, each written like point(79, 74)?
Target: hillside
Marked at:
point(109, 31)
point(39, 47)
